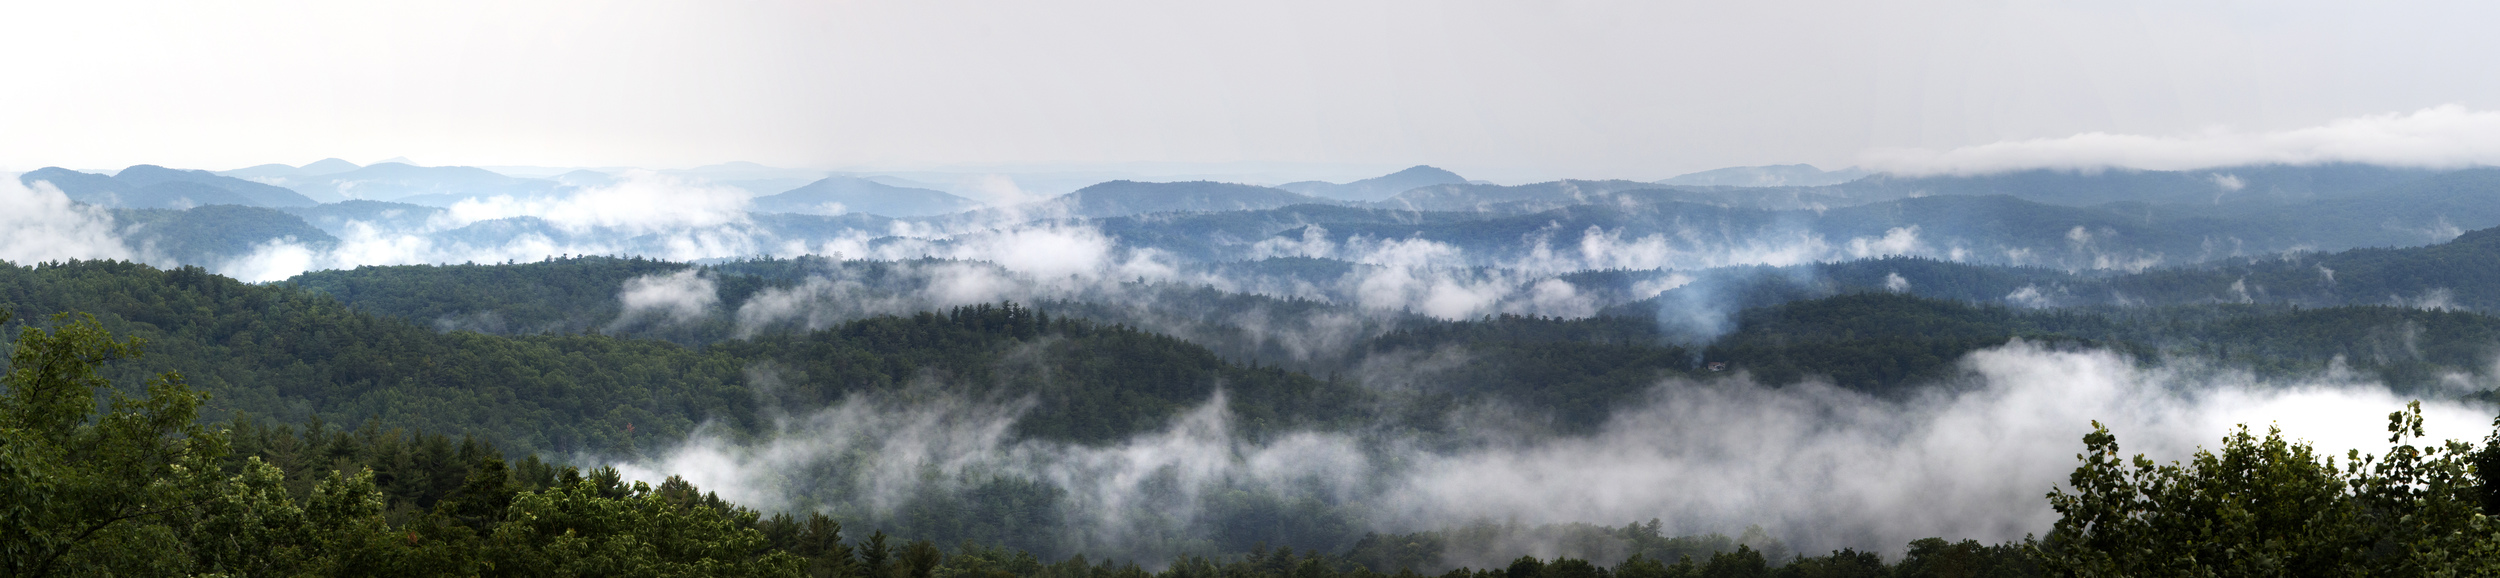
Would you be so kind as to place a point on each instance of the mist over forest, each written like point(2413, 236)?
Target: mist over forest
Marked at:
point(1413, 372)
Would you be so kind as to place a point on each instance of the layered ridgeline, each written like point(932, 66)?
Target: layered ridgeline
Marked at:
point(294, 355)
point(155, 187)
point(839, 195)
point(1221, 369)
point(2075, 222)
point(696, 306)
point(381, 501)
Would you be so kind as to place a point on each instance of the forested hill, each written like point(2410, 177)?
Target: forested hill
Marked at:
point(289, 354)
point(2463, 273)
point(292, 353)
point(1843, 321)
point(1883, 342)
point(284, 353)
point(1890, 343)
point(551, 296)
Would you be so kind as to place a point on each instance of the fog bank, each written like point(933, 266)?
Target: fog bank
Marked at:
point(1815, 465)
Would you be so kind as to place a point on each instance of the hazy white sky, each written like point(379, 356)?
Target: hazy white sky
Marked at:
point(1505, 89)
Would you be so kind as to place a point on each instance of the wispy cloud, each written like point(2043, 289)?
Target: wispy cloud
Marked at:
point(41, 224)
point(1818, 465)
point(2438, 137)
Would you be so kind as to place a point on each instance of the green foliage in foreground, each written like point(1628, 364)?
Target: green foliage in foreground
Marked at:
point(2271, 507)
point(72, 483)
point(141, 489)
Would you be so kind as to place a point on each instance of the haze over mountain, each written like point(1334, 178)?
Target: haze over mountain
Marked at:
point(1121, 198)
point(1363, 340)
point(432, 186)
point(838, 195)
point(1089, 289)
point(1377, 188)
point(282, 174)
point(755, 178)
point(2251, 184)
point(154, 187)
point(2066, 220)
point(1798, 175)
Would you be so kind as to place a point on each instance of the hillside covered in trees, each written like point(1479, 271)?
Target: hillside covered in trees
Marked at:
point(1214, 379)
point(145, 488)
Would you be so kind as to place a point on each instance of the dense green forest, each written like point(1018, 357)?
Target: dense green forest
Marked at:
point(214, 233)
point(533, 298)
point(308, 348)
point(309, 419)
point(530, 363)
point(144, 487)
point(1231, 379)
point(294, 355)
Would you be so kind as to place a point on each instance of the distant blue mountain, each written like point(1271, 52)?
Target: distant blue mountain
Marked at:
point(328, 166)
point(181, 195)
point(1525, 198)
point(335, 217)
point(211, 234)
point(1120, 198)
point(1799, 175)
point(839, 195)
point(269, 173)
point(155, 187)
point(251, 193)
point(754, 178)
point(2260, 184)
point(89, 188)
point(281, 174)
point(1377, 188)
point(431, 186)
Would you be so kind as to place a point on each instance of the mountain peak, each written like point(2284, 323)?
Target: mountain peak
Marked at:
point(1126, 197)
point(1422, 172)
point(1380, 187)
point(141, 170)
point(330, 166)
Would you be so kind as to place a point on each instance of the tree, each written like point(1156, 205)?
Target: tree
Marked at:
point(1744, 562)
point(575, 531)
point(2267, 506)
point(82, 493)
point(1526, 567)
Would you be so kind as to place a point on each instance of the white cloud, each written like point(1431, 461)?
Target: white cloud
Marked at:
point(1896, 241)
point(2447, 136)
point(1817, 465)
point(640, 201)
point(41, 224)
point(682, 296)
point(2030, 296)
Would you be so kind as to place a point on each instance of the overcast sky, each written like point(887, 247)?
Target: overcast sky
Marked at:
point(1509, 90)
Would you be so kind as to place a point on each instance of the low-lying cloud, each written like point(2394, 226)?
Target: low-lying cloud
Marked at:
point(1818, 466)
point(643, 213)
point(41, 224)
point(639, 202)
point(677, 297)
point(2449, 136)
